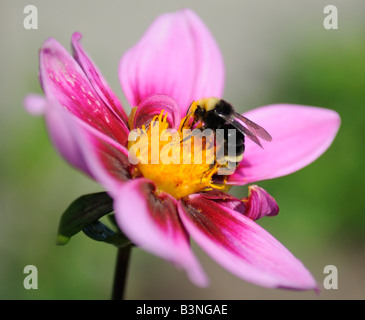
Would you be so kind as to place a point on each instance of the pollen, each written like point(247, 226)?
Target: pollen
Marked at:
point(177, 161)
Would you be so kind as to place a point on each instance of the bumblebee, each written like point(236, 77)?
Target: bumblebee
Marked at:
point(214, 113)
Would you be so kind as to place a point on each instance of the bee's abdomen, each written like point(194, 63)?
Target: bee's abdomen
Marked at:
point(233, 147)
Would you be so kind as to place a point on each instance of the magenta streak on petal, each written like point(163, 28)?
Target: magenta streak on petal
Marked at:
point(96, 78)
point(225, 199)
point(63, 79)
point(300, 135)
point(242, 246)
point(152, 106)
point(178, 57)
point(106, 159)
point(152, 223)
point(218, 195)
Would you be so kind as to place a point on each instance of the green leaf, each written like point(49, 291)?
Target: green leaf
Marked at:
point(100, 232)
point(81, 213)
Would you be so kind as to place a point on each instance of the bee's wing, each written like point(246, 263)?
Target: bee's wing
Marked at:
point(254, 128)
point(252, 131)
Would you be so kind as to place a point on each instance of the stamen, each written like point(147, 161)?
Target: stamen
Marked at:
point(178, 170)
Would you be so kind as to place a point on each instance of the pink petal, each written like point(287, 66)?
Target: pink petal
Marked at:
point(178, 57)
point(242, 247)
point(35, 104)
point(86, 148)
point(63, 79)
point(96, 78)
point(106, 159)
point(60, 125)
point(300, 135)
point(217, 195)
point(258, 204)
point(152, 106)
point(225, 200)
point(152, 223)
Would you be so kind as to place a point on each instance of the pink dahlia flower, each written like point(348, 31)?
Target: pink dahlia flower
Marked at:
point(159, 207)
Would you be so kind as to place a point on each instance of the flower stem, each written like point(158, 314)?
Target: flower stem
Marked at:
point(121, 270)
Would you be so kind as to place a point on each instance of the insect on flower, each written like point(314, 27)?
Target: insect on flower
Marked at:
point(168, 78)
point(217, 114)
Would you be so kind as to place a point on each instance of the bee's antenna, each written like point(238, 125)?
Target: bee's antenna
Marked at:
point(187, 116)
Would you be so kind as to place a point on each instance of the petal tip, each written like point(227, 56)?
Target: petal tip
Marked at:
point(49, 44)
point(35, 104)
point(260, 203)
point(76, 36)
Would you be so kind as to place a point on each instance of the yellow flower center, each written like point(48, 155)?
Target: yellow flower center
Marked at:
point(178, 162)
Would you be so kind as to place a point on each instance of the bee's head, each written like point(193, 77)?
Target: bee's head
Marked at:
point(199, 113)
point(202, 106)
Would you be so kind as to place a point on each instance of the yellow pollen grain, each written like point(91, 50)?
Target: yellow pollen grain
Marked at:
point(175, 171)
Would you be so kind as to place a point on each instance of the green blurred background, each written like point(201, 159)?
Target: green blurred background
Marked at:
point(276, 52)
